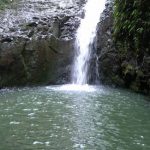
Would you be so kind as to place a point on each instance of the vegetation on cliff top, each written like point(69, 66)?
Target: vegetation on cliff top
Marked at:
point(3, 3)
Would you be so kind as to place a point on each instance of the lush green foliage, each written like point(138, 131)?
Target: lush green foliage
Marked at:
point(3, 3)
point(132, 40)
point(132, 25)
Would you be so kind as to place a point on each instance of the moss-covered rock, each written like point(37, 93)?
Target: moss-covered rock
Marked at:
point(4, 3)
point(123, 45)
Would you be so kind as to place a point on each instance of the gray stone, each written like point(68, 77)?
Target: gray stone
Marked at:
point(37, 44)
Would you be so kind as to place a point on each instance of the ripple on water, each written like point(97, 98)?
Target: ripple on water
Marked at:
point(14, 122)
point(76, 121)
point(37, 142)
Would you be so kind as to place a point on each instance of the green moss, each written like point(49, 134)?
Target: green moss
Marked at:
point(4, 3)
point(128, 69)
point(139, 73)
point(117, 80)
point(135, 87)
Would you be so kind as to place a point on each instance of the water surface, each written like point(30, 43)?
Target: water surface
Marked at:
point(55, 118)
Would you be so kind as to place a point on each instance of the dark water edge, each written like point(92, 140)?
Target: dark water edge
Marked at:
point(59, 117)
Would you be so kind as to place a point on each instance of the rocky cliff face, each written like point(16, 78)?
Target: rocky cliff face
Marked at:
point(108, 57)
point(36, 41)
point(115, 66)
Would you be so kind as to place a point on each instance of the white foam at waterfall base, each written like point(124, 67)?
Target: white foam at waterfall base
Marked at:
point(84, 38)
point(77, 87)
point(73, 87)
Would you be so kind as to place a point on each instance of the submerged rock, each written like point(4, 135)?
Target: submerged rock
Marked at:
point(36, 41)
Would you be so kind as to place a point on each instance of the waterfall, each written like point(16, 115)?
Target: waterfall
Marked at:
point(84, 39)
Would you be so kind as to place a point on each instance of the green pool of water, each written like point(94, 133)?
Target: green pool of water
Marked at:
point(50, 118)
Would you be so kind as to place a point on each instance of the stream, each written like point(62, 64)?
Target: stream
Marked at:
point(62, 118)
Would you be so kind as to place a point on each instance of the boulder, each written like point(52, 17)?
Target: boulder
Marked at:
point(37, 43)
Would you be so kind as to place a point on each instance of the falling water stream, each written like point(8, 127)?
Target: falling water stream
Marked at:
point(76, 116)
point(84, 38)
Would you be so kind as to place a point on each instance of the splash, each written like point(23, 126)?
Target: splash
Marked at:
point(73, 88)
